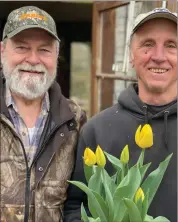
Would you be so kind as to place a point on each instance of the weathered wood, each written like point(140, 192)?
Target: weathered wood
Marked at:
point(117, 77)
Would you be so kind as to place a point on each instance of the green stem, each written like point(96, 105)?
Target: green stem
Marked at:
point(143, 151)
point(127, 168)
point(102, 175)
point(123, 171)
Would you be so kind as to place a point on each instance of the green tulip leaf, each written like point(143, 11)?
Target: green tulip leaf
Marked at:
point(157, 219)
point(160, 219)
point(94, 220)
point(139, 205)
point(144, 206)
point(93, 204)
point(133, 211)
point(144, 169)
point(154, 179)
point(148, 218)
point(116, 163)
point(95, 181)
point(126, 217)
point(126, 189)
point(117, 177)
point(112, 186)
point(88, 170)
point(109, 197)
point(84, 214)
point(102, 203)
point(114, 177)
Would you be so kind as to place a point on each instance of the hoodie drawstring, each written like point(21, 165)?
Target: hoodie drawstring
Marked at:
point(145, 114)
point(166, 113)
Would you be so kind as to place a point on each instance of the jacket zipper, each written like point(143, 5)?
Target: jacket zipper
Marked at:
point(45, 142)
point(28, 173)
point(27, 190)
point(28, 180)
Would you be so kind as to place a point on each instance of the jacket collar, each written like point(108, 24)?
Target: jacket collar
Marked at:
point(130, 100)
point(59, 108)
point(3, 107)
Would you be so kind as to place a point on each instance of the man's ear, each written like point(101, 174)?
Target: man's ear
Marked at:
point(2, 49)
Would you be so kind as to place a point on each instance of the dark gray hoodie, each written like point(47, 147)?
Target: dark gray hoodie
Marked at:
point(115, 127)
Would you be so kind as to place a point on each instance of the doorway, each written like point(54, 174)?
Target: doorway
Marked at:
point(74, 24)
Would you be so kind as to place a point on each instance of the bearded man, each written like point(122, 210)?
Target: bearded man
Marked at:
point(39, 126)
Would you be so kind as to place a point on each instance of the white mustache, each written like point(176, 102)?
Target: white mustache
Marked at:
point(31, 68)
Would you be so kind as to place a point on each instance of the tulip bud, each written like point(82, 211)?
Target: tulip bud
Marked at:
point(139, 195)
point(144, 136)
point(124, 158)
point(100, 157)
point(89, 157)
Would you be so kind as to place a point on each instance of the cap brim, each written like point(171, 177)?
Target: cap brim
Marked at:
point(20, 29)
point(165, 15)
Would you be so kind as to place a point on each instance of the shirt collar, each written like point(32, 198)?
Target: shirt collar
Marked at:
point(8, 97)
point(10, 101)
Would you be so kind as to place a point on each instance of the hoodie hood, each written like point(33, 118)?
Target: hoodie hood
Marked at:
point(130, 101)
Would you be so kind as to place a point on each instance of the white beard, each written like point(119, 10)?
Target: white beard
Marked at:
point(27, 85)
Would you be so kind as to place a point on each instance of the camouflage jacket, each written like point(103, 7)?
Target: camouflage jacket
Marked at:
point(37, 193)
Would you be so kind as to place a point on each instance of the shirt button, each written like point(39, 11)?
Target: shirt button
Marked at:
point(62, 134)
point(40, 169)
point(19, 212)
point(23, 134)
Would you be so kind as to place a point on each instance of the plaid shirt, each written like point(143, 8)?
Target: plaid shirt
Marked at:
point(31, 145)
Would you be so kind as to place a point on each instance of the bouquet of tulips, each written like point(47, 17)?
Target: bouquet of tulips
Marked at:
point(127, 194)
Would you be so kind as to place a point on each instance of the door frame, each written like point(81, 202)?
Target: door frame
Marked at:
point(98, 8)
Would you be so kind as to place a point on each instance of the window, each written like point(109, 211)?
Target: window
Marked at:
point(111, 72)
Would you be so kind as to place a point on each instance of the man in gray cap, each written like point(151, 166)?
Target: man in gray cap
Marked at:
point(153, 100)
point(39, 126)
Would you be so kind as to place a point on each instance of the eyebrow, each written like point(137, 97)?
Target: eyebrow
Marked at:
point(172, 40)
point(153, 40)
point(46, 44)
point(42, 45)
point(19, 41)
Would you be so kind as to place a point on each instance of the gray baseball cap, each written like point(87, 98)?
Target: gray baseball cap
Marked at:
point(156, 13)
point(29, 17)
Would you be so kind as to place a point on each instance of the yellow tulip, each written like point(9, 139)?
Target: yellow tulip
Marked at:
point(124, 158)
point(89, 157)
point(100, 157)
point(139, 195)
point(144, 136)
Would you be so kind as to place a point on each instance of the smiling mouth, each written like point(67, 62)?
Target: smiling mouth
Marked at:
point(158, 70)
point(31, 71)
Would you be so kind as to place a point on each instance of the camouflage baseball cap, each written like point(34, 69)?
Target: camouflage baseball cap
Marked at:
point(156, 13)
point(29, 17)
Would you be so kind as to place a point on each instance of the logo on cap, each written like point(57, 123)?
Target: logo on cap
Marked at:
point(161, 10)
point(33, 15)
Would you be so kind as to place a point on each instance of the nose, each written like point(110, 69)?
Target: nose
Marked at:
point(33, 58)
point(158, 55)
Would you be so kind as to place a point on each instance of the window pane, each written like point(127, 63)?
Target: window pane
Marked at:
point(80, 74)
point(107, 96)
